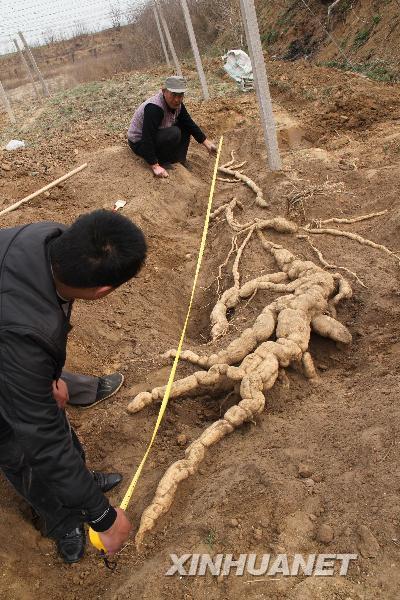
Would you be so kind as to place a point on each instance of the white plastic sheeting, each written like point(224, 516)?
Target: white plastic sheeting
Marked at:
point(238, 66)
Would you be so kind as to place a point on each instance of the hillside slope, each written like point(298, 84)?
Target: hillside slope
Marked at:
point(356, 32)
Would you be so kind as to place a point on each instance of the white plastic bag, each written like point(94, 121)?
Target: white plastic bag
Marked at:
point(238, 66)
point(14, 145)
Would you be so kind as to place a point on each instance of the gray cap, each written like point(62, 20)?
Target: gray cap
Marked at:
point(176, 84)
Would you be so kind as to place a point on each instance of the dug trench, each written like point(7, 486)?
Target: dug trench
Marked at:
point(251, 493)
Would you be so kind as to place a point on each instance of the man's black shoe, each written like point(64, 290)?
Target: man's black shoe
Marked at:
point(72, 545)
point(106, 481)
point(108, 386)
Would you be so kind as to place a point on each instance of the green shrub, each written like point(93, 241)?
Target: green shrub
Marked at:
point(269, 37)
point(378, 70)
point(361, 37)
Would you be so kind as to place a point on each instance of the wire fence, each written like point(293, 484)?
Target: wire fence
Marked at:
point(46, 19)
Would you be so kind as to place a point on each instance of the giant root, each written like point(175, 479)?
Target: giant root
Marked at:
point(251, 363)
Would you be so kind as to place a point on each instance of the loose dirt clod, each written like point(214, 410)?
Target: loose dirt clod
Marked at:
point(305, 470)
point(367, 543)
point(325, 534)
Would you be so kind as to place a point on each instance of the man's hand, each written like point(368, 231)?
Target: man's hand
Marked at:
point(114, 538)
point(211, 147)
point(60, 393)
point(159, 171)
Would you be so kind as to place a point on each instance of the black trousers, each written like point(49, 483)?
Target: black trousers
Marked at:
point(82, 389)
point(172, 144)
point(55, 518)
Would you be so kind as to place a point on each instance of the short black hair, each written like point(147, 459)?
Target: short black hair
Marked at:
point(100, 248)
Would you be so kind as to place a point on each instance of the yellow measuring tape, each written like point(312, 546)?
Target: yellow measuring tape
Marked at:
point(93, 535)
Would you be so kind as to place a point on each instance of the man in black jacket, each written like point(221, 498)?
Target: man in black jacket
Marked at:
point(161, 128)
point(44, 267)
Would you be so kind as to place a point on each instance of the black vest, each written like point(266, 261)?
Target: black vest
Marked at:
point(28, 300)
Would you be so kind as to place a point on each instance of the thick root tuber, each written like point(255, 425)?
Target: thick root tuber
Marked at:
point(308, 291)
point(327, 327)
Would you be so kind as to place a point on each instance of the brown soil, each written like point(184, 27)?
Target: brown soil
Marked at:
point(340, 141)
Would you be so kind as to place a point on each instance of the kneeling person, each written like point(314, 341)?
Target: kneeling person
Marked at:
point(161, 128)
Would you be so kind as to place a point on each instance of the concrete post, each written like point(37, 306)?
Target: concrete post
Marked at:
point(44, 85)
point(170, 42)
point(195, 49)
point(160, 31)
point(24, 62)
point(250, 23)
